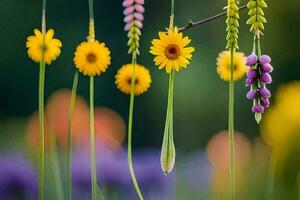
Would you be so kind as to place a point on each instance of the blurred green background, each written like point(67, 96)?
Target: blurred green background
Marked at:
point(200, 96)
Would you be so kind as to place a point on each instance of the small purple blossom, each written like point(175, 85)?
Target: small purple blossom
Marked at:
point(264, 92)
point(266, 78)
point(258, 108)
point(251, 60)
point(251, 95)
point(264, 59)
point(249, 81)
point(266, 68)
point(252, 73)
point(265, 102)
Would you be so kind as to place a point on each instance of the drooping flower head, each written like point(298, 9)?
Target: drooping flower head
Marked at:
point(134, 17)
point(223, 65)
point(38, 44)
point(124, 78)
point(92, 57)
point(258, 77)
point(171, 50)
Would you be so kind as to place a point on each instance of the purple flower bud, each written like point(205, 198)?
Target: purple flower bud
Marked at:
point(139, 16)
point(264, 59)
point(139, 8)
point(265, 102)
point(140, 1)
point(258, 108)
point(252, 73)
point(249, 81)
point(251, 60)
point(266, 68)
point(266, 78)
point(264, 92)
point(128, 10)
point(251, 94)
point(129, 18)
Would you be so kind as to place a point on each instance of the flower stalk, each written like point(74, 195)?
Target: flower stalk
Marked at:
point(69, 151)
point(41, 108)
point(130, 120)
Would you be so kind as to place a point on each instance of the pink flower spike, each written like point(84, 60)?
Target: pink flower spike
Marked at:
point(139, 8)
point(140, 1)
point(139, 24)
point(129, 18)
point(127, 3)
point(128, 10)
point(128, 26)
point(139, 16)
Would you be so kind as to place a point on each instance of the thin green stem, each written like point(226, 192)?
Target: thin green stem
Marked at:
point(92, 142)
point(56, 169)
point(130, 120)
point(41, 109)
point(42, 129)
point(231, 127)
point(91, 9)
point(172, 7)
point(69, 153)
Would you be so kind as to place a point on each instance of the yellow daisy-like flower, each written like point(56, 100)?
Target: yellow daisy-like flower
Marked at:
point(92, 58)
point(142, 79)
point(171, 50)
point(223, 65)
point(36, 48)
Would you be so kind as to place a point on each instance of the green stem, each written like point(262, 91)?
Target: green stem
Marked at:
point(172, 7)
point(69, 153)
point(92, 142)
point(42, 129)
point(231, 128)
point(91, 9)
point(41, 109)
point(56, 169)
point(130, 120)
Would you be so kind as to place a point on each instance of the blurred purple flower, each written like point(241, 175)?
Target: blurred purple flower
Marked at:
point(18, 179)
point(113, 173)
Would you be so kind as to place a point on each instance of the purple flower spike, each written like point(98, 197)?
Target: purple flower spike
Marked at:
point(258, 108)
point(264, 59)
point(264, 92)
point(252, 73)
point(251, 95)
point(266, 78)
point(265, 102)
point(249, 81)
point(266, 68)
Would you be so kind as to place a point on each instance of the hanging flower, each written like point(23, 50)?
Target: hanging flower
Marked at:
point(257, 78)
point(37, 44)
point(124, 78)
point(171, 50)
point(223, 65)
point(92, 58)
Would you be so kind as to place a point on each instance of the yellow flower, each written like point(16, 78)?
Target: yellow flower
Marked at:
point(35, 46)
point(282, 120)
point(92, 58)
point(223, 65)
point(171, 51)
point(124, 77)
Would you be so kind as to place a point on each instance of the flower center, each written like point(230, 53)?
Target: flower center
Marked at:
point(172, 51)
point(91, 57)
point(129, 81)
